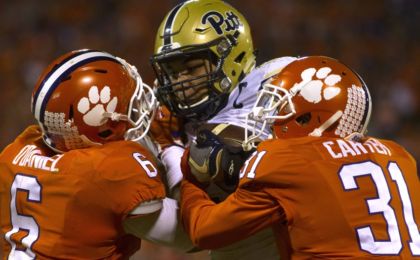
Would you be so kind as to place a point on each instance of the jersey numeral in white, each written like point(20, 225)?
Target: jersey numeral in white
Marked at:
point(30, 185)
point(251, 173)
point(397, 176)
point(348, 175)
point(148, 167)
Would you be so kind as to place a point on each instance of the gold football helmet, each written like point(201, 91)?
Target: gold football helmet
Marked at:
point(207, 30)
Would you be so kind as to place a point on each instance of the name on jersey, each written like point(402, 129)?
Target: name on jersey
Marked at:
point(341, 148)
point(32, 157)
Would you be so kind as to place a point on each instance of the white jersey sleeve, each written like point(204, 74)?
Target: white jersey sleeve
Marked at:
point(163, 227)
point(243, 97)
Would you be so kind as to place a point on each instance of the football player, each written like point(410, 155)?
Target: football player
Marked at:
point(70, 186)
point(324, 187)
point(205, 65)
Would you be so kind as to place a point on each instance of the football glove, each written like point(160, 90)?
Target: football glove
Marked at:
point(212, 160)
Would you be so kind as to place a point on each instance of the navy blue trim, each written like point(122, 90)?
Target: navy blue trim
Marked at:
point(52, 71)
point(168, 25)
point(64, 75)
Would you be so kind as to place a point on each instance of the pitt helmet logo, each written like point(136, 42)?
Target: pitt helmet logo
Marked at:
point(229, 22)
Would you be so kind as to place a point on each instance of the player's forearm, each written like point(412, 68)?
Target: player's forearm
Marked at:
point(212, 226)
point(208, 225)
point(193, 203)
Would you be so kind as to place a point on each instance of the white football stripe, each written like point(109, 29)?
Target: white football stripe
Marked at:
point(62, 69)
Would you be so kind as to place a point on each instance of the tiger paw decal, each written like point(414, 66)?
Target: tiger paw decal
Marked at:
point(313, 90)
point(93, 106)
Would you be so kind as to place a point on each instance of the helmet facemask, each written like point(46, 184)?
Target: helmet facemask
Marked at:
point(273, 103)
point(211, 87)
point(141, 109)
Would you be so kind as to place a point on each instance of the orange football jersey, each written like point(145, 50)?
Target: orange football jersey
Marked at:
point(337, 198)
point(71, 205)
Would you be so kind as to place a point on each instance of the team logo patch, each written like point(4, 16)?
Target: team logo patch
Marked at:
point(219, 22)
point(312, 88)
point(101, 102)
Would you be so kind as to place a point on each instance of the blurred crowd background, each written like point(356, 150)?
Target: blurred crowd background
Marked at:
point(378, 38)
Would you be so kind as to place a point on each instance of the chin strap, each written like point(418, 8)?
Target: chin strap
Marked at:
point(317, 132)
point(355, 137)
point(115, 116)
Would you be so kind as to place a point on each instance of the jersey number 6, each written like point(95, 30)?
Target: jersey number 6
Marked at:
point(30, 185)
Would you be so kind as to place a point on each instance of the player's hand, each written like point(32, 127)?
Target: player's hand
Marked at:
point(205, 156)
point(212, 160)
point(164, 128)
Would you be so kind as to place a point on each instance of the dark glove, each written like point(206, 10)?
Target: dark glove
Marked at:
point(212, 160)
point(205, 156)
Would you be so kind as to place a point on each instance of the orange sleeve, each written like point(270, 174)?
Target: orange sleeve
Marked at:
point(252, 207)
point(129, 176)
point(209, 225)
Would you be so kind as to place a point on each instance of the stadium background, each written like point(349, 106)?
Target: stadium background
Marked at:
point(378, 38)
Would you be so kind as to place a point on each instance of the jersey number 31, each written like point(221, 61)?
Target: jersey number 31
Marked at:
point(379, 205)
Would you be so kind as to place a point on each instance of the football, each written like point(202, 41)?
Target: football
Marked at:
point(230, 135)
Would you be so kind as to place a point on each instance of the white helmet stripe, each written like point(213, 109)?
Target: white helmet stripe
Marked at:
point(49, 85)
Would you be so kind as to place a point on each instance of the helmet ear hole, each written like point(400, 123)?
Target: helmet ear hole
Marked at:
point(304, 119)
point(71, 112)
point(240, 57)
point(105, 134)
